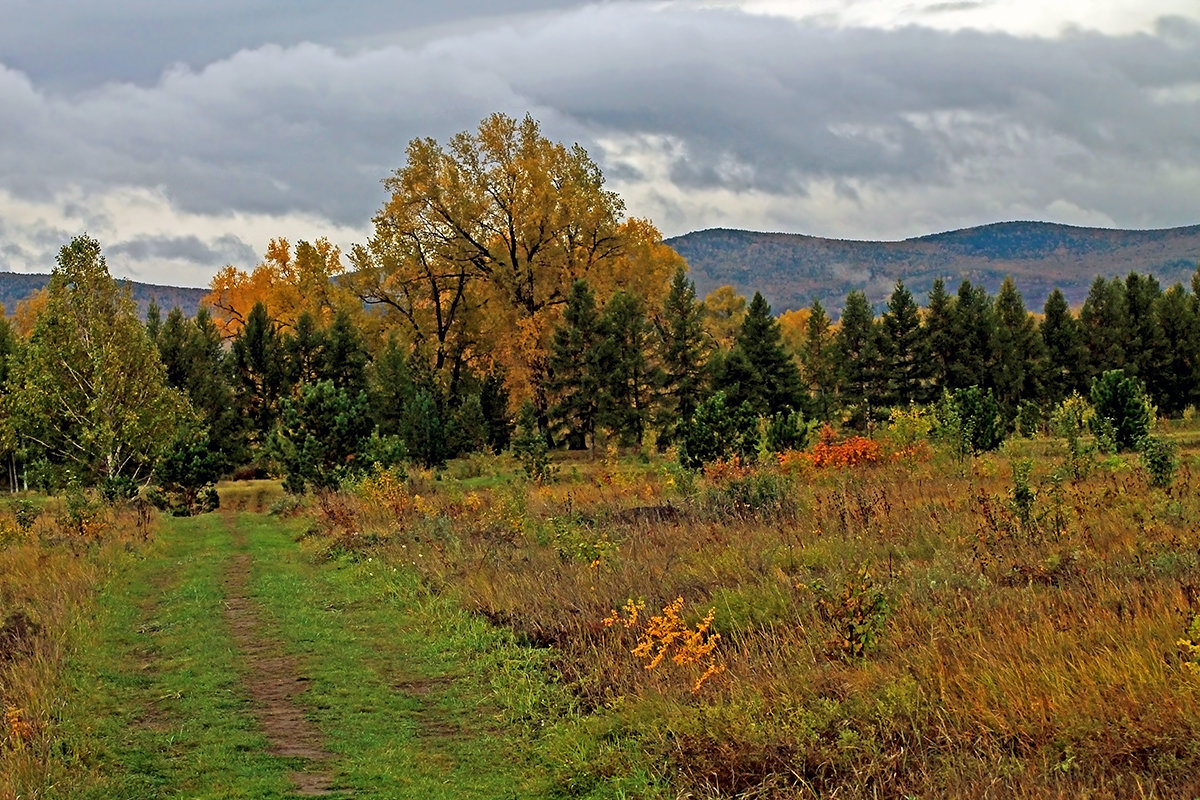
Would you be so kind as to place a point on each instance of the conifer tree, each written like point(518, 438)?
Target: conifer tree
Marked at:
point(939, 335)
point(1145, 345)
point(904, 350)
point(817, 362)
point(759, 371)
point(1102, 319)
point(859, 366)
point(1019, 352)
point(1179, 371)
point(259, 367)
point(682, 354)
point(972, 331)
point(1066, 354)
point(623, 369)
point(573, 383)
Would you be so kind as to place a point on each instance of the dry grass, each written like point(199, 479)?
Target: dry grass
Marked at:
point(1015, 651)
point(49, 569)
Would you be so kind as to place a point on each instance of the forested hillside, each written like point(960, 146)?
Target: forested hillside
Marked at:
point(791, 270)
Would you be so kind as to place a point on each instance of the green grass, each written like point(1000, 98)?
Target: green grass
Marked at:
point(415, 697)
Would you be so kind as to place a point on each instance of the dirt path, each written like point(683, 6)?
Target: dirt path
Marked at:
point(274, 681)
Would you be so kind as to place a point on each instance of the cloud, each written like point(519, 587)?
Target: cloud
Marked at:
point(701, 116)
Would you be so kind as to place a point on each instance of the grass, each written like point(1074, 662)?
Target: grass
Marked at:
point(927, 628)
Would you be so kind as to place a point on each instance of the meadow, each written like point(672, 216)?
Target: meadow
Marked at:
point(868, 618)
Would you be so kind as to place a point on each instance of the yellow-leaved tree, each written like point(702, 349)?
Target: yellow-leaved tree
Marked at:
point(476, 250)
point(288, 282)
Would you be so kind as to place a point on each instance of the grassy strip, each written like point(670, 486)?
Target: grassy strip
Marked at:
point(156, 706)
point(417, 698)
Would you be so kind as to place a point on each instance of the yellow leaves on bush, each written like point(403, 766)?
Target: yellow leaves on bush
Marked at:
point(17, 729)
point(1189, 646)
point(667, 635)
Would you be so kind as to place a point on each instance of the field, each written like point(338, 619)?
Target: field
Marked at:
point(863, 620)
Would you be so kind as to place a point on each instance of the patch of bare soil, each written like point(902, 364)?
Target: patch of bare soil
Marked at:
point(274, 681)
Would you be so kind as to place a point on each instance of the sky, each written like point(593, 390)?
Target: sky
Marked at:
point(184, 135)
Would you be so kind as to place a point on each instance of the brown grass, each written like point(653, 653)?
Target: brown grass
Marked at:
point(1017, 655)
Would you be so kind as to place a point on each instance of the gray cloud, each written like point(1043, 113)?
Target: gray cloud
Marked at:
point(225, 249)
point(906, 130)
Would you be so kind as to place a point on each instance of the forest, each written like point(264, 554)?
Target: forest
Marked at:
point(645, 544)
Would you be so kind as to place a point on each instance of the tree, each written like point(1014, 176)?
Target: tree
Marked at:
point(759, 372)
point(1102, 319)
point(682, 353)
point(624, 370)
point(939, 333)
point(972, 331)
point(1018, 352)
point(288, 283)
point(1066, 353)
point(904, 350)
point(1123, 412)
point(817, 365)
point(858, 359)
point(259, 373)
point(1145, 344)
point(321, 435)
point(574, 382)
point(1179, 371)
point(508, 220)
point(90, 392)
point(724, 311)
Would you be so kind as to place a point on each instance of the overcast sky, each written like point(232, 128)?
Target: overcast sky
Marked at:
point(185, 134)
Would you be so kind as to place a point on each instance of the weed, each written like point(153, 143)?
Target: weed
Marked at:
point(858, 613)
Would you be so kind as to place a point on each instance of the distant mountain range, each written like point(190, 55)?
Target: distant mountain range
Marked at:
point(791, 269)
point(17, 286)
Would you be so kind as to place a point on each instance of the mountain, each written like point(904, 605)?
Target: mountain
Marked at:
point(17, 286)
point(791, 269)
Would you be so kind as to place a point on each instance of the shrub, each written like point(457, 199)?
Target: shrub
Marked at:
point(1160, 457)
point(1122, 409)
point(718, 432)
point(969, 419)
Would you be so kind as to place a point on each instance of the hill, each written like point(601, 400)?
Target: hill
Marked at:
point(17, 286)
point(791, 269)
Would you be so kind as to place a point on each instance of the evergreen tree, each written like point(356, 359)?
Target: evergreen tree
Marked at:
point(972, 330)
point(573, 383)
point(1122, 409)
point(1066, 354)
point(682, 354)
point(1179, 371)
point(305, 352)
point(259, 367)
point(859, 366)
point(817, 361)
point(321, 433)
point(345, 357)
point(623, 368)
point(904, 350)
point(493, 401)
point(1145, 344)
point(939, 334)
point(390, 386)
point(1102, 319)
point(758, 371)
point(1019, 352)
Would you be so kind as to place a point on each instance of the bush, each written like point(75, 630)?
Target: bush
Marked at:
point(1160, 457)
point(969, 419)
point(1123, 412)
point(717, 432)
point(787, 430)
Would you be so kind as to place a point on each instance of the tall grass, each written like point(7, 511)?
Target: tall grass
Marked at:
point(53, 554)
point(887, 626)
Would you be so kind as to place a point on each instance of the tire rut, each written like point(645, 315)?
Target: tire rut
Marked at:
point(274, 681)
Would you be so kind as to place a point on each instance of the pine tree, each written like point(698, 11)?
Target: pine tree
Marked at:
point(259, 367)
point(1102, 319)
point(1179, 371)
point(573, 383)
point(1145, 345)
point(682, 354)
point(859, 365)
point(817, 362)
point(904, 350)
point(623, 369)
point(1066, 354)
point(1019, 352)
point(939, 335)
point(758, 371)
point(972, 330)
